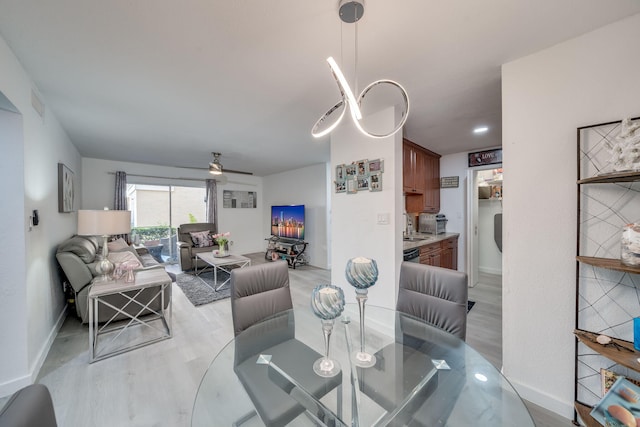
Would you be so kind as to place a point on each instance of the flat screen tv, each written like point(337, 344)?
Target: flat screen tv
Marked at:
point(288, 221)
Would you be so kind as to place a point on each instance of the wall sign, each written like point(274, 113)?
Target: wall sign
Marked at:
point(449, 182)
point(239, 199)
point(489, 157)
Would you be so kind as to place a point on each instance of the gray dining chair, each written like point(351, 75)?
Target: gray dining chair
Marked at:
point(436, 295)
point(263, 323)
point(30, 406)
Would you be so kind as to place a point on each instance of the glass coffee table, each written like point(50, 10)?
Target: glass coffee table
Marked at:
point(422, 376)
point(220, 263)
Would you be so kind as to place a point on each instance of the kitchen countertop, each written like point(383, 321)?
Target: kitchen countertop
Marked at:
point(422, 239)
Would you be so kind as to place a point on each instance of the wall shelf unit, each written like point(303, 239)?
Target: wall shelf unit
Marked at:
point(606, 290)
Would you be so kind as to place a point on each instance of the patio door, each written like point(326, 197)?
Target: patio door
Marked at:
point(158, 210)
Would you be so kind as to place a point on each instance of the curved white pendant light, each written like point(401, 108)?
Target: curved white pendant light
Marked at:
point(352, 11)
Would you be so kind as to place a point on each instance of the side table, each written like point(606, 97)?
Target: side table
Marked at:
point(119, 334)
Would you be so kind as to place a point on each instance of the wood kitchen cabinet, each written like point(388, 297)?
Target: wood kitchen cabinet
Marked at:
point(421, 178)
point(412, 168)
point(431, 194)
point(449, 253)
point(441, 254)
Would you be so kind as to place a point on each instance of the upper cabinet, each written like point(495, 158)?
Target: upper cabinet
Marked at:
point(421, 178)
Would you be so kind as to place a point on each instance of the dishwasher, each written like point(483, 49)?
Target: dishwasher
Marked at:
point(411, 255)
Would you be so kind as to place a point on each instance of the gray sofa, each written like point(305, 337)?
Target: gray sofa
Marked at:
point(187, 249)
point(77, 257)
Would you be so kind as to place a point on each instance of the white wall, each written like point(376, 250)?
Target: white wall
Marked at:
point(245, 224)
point(546, 96)
point(306, 186)
point(354, 228)
point(490, 257)
point(31, 286)
point(453, 201)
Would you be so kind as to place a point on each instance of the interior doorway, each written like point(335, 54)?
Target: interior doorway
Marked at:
point(484, 222)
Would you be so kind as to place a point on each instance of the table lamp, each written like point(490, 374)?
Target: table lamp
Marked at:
point(103, 223)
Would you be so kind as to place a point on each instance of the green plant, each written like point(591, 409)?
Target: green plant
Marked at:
point(152, 233)
point(192, 219)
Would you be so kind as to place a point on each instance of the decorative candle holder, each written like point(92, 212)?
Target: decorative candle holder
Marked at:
point(128, 267)
point(327, 302)
point(362, 273)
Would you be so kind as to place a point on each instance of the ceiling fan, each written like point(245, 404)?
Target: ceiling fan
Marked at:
point(216, 168)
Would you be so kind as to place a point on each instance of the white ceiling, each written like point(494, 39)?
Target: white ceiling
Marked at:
point(167, 82)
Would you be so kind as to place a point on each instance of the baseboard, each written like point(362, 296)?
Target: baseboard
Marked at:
point(10, 387)
point(551, 403)
point(489, 270)
point(44, 350)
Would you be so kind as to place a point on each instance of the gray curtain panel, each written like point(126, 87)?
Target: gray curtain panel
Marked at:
point(211, 199)
point(120, 199)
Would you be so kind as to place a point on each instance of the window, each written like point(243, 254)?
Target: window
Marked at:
point(158, 210)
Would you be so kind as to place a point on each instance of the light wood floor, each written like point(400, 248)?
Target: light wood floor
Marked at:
point(156, 385)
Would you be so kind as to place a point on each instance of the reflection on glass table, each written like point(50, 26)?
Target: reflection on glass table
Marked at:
point(422, 376)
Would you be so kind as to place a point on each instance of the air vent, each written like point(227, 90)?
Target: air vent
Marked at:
point(37, 104)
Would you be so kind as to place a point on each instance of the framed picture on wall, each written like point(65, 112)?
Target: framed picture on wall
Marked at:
point(340, 173)
point(363, 182)
point(352, 185)
point(340, 186)
point(66, 193)
point(376, 165)
point(350, 170)
point(375, 181)
point(362, 168)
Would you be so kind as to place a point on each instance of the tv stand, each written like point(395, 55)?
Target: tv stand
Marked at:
point(290, 250)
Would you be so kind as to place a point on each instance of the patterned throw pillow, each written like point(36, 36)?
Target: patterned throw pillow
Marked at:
point(201, 239)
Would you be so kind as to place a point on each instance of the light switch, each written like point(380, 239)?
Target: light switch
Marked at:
point(383, 218)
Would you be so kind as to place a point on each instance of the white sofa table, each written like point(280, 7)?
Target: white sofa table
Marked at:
point(119, 336)
point(219, 263)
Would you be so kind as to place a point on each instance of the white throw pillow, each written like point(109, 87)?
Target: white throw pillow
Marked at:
point(117, 245)
point(121, 257)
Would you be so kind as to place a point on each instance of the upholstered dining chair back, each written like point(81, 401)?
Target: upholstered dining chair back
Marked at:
point(30, 406)
point(436, 295)
point(258, 292)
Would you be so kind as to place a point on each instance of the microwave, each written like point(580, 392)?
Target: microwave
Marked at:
point(432, 223)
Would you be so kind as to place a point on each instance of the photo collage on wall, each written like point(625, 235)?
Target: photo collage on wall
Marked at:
point(359, 176)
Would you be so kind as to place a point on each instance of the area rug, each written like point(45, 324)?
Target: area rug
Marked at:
point(200, 289)
point(470, 305)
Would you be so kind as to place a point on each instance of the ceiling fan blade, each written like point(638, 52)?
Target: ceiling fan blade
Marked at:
point(224, 170)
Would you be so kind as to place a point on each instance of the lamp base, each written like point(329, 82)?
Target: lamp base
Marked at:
point(104, 267)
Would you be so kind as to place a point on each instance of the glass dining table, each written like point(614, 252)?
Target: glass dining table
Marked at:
point(422, 376)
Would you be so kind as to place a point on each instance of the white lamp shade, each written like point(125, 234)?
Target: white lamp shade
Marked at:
point(103, 222)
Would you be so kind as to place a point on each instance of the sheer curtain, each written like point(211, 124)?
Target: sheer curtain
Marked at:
point(120, 198)
point(211, 199)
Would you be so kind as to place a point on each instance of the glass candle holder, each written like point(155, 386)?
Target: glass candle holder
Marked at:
point(327, 302)
point(362, 273)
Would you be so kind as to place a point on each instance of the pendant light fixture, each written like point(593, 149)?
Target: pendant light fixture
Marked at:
point(350, 11)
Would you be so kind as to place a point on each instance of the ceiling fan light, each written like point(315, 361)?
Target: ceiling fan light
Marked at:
point(215, 169)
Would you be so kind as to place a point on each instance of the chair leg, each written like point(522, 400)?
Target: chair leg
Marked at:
point(339, 403)
point(246, 417)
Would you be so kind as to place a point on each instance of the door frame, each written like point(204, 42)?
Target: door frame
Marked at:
point(472, 221)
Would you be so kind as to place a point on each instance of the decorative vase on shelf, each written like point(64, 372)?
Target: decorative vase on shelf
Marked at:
point(630, 245)
point(362, 273)
point(327, 302)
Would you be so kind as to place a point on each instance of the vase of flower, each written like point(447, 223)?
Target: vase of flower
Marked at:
point(362, 273)
point(222, 239)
